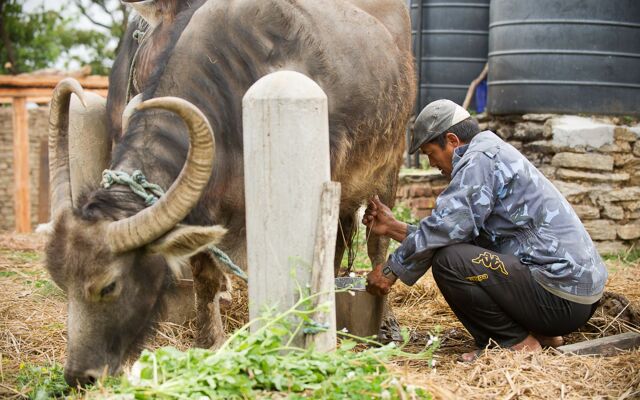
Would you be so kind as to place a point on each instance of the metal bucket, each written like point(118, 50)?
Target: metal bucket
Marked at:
point(356, 310)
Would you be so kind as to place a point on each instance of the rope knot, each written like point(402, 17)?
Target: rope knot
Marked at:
point(138, 35)
point(151, 192)
point(107, 179)
point(137, 182)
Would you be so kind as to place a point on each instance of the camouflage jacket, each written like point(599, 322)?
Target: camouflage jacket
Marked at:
point(499, 201)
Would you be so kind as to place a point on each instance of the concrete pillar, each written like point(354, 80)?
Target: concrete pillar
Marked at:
point(286, 164)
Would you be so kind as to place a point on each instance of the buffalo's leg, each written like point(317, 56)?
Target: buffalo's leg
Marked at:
point(376, 245)
point(344, 239)
point(377, 250)
point(209, 284)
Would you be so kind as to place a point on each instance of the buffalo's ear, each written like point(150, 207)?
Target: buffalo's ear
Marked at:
point(186, 240)
point(155, 11)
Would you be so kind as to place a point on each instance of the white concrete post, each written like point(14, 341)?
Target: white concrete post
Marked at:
point(286, 163)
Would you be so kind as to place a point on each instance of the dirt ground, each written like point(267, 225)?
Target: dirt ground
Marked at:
point(33, 314)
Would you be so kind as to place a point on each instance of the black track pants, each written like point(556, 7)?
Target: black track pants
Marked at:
point(495, 297)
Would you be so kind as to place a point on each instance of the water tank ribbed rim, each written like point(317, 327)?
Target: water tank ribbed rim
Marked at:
point(453, 32)
point(563, 52)
point(568, 83)
point(443, 86)
point(563, 21)
point(454, 59)
point(459, 5)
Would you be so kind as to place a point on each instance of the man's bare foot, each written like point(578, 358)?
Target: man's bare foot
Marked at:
point(529, 344)
point(470, 356)
point(549, 341)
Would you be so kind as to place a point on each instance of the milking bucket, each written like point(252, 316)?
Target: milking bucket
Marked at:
point(356, 310)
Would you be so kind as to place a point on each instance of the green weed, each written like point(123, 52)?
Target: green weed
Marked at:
point(46, 288)
point(627, 257)
point(263, 363)
point(42, 382)
point(26, 256)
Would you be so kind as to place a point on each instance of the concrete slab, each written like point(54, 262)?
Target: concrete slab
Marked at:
point(572, 131)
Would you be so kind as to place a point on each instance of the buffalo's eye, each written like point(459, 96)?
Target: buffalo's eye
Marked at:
point(107, 290)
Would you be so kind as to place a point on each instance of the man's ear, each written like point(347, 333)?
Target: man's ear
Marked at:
point(453, 139)
point(186, 240)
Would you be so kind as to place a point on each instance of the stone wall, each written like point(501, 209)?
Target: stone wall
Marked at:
point(594, 163)
point(38, 126)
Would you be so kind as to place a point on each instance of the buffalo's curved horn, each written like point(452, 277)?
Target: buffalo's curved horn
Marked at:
point(129, 110)
point(60, 180)
point(153, 222)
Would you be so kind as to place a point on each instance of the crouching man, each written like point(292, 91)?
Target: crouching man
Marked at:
point(508, 253)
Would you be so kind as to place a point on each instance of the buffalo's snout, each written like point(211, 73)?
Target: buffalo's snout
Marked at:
point(80, 378)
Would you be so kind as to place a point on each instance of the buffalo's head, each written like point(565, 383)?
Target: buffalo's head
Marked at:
point(114, 265)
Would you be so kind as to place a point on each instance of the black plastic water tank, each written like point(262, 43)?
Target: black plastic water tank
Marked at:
point(450, 43)
point(564, 56)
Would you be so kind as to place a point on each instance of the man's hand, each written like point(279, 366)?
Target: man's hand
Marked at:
point(379, 219)
point(377, 283)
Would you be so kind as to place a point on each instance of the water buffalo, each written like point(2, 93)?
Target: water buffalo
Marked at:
point(191, 62)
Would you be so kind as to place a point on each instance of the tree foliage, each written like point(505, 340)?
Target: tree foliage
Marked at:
point(44, 38)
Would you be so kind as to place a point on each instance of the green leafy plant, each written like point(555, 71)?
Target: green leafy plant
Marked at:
point(42, 382)
point(627, 257)
point(27, 256)
point(405, 214)
point(264, 362)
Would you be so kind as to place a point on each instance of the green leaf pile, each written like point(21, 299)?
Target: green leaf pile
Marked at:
point(42, 382)
point(263, 363)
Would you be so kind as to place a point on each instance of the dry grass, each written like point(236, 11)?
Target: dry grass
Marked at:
point(33, 313)
point(504, 374)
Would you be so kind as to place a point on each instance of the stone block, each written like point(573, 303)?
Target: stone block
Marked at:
point(517, 144)
point(630, 205)
point(629, 231)
point(636, 149)
point(631, 193)
point(618, 147)
point(601, 229)
point(632, 214)
point(438, 189)
point(625, 133)
point(422, 213)
point(537, 117)
point(586, 212)
point(570, 174)
point(593, 161)
point(423, 203)
point(548, 147)
point(612, 211)
point(418, 190)
point(528, 131)
point(573, 131)
point(611, 247)
point(574, 191)
point(402, 192)
point(620, 160)
point(505, 132)
point(548, 171)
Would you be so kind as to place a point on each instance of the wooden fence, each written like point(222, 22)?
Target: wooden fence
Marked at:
point(18, 91)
